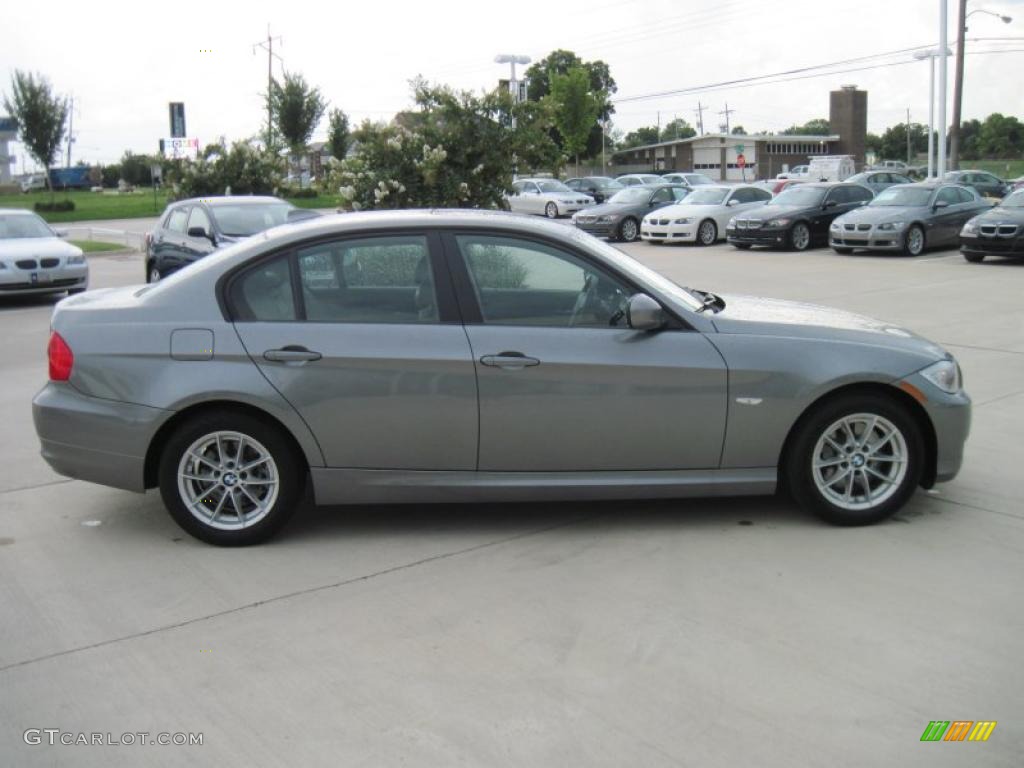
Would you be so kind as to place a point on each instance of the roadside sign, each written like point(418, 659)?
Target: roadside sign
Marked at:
point(741, 161)
point(740, 148)
point(181, 149)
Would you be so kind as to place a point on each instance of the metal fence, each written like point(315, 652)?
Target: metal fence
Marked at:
point(134, 240)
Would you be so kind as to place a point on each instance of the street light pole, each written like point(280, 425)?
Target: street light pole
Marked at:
point(920, 56)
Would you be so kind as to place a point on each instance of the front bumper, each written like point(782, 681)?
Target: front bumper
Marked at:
point(761, 236)
point(950, 416)
point(21, 282)
point(598, 229)
point(669, 233)
point(992, 246)
point(88, 438)
point(870, 240)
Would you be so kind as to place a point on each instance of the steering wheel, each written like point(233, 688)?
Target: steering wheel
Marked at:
point(591, 300)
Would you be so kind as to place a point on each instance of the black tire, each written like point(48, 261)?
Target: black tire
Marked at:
point(289, 475)
point(152, 273)
point(974, 258)
point(707, 235)
point(551, 210)
point(799, 473)
point(842, 251)
point(741, 246)
point(800, 236)
point(913, 246)
point(629, 230)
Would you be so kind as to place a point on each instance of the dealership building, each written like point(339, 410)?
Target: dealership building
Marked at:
point(730, 157)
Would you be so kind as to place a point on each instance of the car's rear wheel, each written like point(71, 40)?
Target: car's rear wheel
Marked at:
point(855, 460)
point(800, 237)
point(707, 232)
point(628, 230)
point(230, 479)
point(551, 210)
point(975, 258)
point(914, 243)
point(152, 274)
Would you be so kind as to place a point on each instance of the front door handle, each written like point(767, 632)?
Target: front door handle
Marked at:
point(512, 361)
point(292, 353)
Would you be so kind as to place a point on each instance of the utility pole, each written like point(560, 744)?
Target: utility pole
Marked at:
point(940, 169)
point(659, 126)
point(700, 117)
point(908, 136)
point(958, 87)
point(268, 46)
point(71, 129)
point(727, 112)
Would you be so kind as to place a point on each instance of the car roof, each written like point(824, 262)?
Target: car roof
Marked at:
point(215, 200)
point(24, 211)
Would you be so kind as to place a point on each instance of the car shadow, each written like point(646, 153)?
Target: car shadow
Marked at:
point(12, 302)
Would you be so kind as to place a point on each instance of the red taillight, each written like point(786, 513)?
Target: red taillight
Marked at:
point(61, 358)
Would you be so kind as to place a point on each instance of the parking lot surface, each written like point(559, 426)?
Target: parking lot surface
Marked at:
point(704, 633)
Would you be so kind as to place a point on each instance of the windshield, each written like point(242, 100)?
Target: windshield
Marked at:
point(634, 269)
point(857, 178)
point(247, 219)
point(552, 186)
point(714, 196)
point(17, 226)
point(604, 183)
point(903, 197)
point(802, 196)
point(697, 178)
point(1016, 200)
point(630, 195)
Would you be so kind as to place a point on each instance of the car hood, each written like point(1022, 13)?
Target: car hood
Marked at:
point(1000, 214)
point(30, 247)
point(685, 209)
point(880, 214)
point(613, 209)
point(768, 212)
point(776, 317)
point(567, 197)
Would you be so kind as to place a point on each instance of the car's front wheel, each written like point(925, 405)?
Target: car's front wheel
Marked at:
point(707, 232)
point(152, 274)
point(628, 230)
point(800, 237)
point(551, 210)
point(914, 242)
point(230, 479)
point(855, 460)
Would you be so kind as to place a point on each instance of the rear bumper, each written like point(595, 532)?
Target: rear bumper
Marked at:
point(87, 438)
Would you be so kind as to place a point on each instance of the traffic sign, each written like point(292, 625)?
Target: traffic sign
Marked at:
point(741, 161)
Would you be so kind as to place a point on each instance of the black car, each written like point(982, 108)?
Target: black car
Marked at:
point(997, 232)
point(619, 218)
point(798, 217)
point(598, 187)
point(986, 184)
point(191, 229)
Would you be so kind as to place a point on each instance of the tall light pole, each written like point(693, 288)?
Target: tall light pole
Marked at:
point(940, 170)
point(512, 60)
point(921, 56)
point(958, 77)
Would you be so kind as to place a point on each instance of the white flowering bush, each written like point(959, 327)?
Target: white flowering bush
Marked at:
point(244, 169)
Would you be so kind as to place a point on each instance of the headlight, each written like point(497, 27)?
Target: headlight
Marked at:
point(73, 260)
point(945, 375)
point(836, 226)
point(604, 219)
point(970, 228)
point(890, 226)
point(778, 223)
point(682, 221)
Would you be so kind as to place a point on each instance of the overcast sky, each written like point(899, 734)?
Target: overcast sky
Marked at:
point(124, 61)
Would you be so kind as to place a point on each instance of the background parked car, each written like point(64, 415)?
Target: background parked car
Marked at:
point(702, 215)
point(890, 165)
point(598, 187)
point(33, 258)
point(687, 179)
point(619, 217)
point(191, 229)
point(32, 182)
point(796, 172)
point(799, 217)
point(776, 185)
point(876, 181)
point(636, 179)
point(907, 218)
point(984, 182)
point(546, 197)
point(998, 231)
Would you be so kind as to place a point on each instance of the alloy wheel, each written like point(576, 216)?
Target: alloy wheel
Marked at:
point(707, 233)
point(154, 275)
point(915, 241)
point(801, 237)
point(859, 461)
point(551, 211)
point(628, 230)
point(228, 480)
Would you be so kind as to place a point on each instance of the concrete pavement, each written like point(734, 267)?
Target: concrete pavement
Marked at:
point(704, 633)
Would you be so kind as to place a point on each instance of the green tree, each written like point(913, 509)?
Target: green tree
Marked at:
point(1000, 137)
point(559, 62)
point(40, 116)
point(817, 127)
point(894, 141)
point(640, 137)
point(243, 168)
point(575, 109)
point(970, 145)
point(677, 129)
point(739, 130)
point(338, 135)
point(297, 108)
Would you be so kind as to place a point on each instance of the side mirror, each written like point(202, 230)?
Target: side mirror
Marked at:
point(733, 202)
point(830, 204)
point(644, 314)
point(61, 232)
point(199, 232)
point(940, 204)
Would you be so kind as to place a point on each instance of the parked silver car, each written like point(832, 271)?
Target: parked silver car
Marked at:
point(34, 259)
point(419, 356)
point(547, 197)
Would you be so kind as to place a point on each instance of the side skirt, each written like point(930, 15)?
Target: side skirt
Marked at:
point(387, 486)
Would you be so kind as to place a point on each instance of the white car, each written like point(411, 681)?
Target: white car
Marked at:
point(702, 215)
point(547, 197)
point(33, 258)
point(33, 182)
point(689, 179)
point(796, 172)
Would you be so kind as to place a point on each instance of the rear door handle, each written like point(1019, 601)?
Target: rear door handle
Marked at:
point(292, 353)
point(509, 360)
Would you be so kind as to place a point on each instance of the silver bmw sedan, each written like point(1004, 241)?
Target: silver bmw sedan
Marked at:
point(441, 356)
